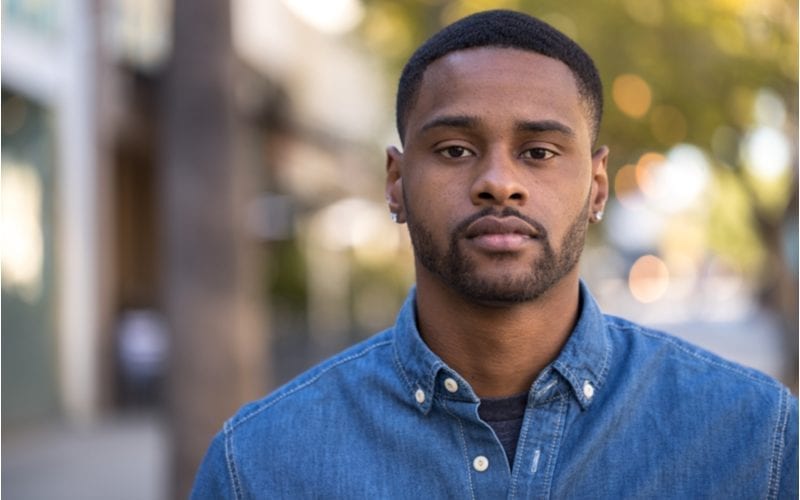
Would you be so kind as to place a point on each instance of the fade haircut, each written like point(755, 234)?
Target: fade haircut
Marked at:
point(502, 29)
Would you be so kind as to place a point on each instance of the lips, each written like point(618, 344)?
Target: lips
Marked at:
point(506, 234)
point(490, 225)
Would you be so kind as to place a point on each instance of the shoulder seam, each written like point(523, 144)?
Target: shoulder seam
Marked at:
point(233, 423)
point(230, 463)
point(719, 363)
point(777, 446)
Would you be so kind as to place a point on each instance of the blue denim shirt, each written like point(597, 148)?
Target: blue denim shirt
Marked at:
point(623, 412)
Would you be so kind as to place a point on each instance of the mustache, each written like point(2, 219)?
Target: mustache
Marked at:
point(462, 226)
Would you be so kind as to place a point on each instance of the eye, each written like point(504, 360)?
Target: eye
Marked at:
point(538, 154)
point(455, 152)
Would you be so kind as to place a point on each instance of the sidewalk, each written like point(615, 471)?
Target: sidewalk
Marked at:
point(120, 458)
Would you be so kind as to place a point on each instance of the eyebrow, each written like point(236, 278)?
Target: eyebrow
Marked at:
point(467, 122)
point(545, 126)
point(455, 121)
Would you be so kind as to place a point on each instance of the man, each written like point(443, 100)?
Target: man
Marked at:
point(501, 377)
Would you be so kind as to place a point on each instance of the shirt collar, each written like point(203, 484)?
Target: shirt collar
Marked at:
point(418, 365)
point(583, 362)
point(585, 359)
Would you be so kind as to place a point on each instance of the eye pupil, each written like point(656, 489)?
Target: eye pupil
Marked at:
point(539, 153)
point(455, 151)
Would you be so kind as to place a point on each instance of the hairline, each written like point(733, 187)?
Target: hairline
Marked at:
point(585, 95)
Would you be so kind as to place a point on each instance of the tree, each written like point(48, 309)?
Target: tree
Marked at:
point(218, 344)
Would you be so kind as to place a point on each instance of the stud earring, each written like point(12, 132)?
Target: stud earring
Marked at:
point(598, 216)
point(393, 215)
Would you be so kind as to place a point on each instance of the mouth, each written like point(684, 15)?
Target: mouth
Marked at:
point(501, 234)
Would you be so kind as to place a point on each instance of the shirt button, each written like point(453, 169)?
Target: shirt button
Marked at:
point(588, 389)
point(420, 396)
point(451, 385)
point(480, 463)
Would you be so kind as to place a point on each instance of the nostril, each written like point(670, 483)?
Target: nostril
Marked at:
point(516, 196)
point(485, 196)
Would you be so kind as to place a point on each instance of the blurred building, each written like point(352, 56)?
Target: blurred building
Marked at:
point(99, 210)
point(53, 212)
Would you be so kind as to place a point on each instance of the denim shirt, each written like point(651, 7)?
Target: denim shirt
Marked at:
point(622, 412)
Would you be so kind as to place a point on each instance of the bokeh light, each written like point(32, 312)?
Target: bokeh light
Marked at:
point(329, 16)
point(769, 109)
point(625, 183)
point(766, 153)
point(21, 239)
point(632, 95)
point(676, 182)
point(358, 224)
point(648, 279)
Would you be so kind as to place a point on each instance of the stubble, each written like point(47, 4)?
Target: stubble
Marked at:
point(460, 271)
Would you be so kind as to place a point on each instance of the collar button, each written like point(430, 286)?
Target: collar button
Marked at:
point(588, 389)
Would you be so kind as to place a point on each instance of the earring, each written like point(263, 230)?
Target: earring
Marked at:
point(393, 215)
point(598, 216)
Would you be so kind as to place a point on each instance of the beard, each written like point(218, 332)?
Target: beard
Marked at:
point(460, 272)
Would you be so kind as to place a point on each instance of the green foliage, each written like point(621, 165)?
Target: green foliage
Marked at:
point(704, 59)
point(703, 63)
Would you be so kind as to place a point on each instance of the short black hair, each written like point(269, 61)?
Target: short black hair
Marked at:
point(504, 29)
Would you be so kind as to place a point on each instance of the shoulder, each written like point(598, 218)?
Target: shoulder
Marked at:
point(693, 384)
point(321, 381)
point(655, 348)
point(677, 376)
point(733, 410)
point(318, 412)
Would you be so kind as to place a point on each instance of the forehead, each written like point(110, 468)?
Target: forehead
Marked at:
point(497, 83)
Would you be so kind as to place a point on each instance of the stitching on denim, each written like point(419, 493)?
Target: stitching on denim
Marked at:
point(307, 383)
point(463, 447)
point(401, 369)
point(606, 362)
point(676, 344)
point(777, 446)
point(551, 464)
point(229, 461)
point(554, 397)
point(570, 375)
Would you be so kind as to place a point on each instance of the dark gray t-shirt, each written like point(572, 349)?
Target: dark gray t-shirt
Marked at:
point(505, 415)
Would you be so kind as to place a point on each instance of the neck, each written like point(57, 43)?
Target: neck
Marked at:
point(498, 349)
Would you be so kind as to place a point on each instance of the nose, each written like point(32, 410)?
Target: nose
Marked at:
point(498, 183)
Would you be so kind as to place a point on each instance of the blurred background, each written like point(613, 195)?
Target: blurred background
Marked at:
point(192, 205)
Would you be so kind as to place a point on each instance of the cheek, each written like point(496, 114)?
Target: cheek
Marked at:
point(558, 201)
point(434, 211)
point(433, 191)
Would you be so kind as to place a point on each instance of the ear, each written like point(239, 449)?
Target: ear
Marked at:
point(394, 183)
point(599, 189)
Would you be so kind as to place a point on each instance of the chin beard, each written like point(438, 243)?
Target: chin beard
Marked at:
point(460, 273)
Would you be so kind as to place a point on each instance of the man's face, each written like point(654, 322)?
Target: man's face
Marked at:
point(497, 181)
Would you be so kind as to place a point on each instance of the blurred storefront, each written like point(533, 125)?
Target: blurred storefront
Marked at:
point(138, 276)
point(52, 212)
